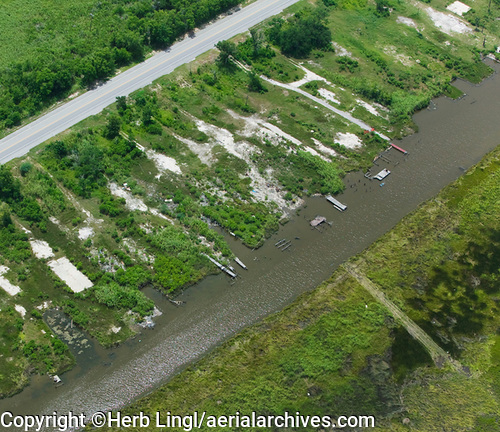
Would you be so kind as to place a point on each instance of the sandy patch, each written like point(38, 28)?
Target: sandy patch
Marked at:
point(58, 223)
point(328, 95)
point(161, 215)
point(20, 309)
point(223, 137)
point(315, 153)
point(163, 163)
point(264, 188)
point(324, 149)
point(348, 140)
point(459, 8)
point(85, 232)
point(41, 249)
point(6, 285)
point(309, 76)
point(402, 58)
point(45, 305)
point(264, 130)
point(69, 274)
point(447, 23)
point(202, 150)
point(341, 51)
point(131, 202)
point(407, 21)
point(368, 107)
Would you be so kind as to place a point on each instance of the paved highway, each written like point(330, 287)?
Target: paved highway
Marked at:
point(92, 102)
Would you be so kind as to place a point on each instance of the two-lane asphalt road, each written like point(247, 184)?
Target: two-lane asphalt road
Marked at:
point(94, 101)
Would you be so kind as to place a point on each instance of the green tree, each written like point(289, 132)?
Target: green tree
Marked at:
point(255, 83)
point(25, 168)
point(227, 51)
point(89, 167)
point(302, 33)
point(112, 129)
point(382, 8)
point(121, 104)
point(9, 187)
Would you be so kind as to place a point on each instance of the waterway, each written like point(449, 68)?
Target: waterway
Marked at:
point(453, 136)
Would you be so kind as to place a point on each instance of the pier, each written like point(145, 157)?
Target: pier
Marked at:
point(219, 265)
point(337, 204)
point(399, 148)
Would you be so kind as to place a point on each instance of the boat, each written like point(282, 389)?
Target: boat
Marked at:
point(382, 174)
point(238, 261)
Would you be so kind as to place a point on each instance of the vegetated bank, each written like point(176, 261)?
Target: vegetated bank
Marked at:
point(131, 197)
point(337, 351)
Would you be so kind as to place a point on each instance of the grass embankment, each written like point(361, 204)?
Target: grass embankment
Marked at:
point(336, 350)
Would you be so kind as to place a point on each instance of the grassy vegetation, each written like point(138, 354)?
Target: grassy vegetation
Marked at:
point(335, 350)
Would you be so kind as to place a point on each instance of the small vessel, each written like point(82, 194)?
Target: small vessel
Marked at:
point(56, 379)
point(238, 261)
point(382, 174)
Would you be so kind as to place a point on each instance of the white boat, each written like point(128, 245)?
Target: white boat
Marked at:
point(238, 261)
point(382, 174)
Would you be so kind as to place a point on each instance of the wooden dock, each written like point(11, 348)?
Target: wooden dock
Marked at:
point(318, 220)
point(220, 266)
point(337, 204)
point(399, 148)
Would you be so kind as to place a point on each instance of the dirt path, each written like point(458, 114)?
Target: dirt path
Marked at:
point(341, 113)
point(439, 356)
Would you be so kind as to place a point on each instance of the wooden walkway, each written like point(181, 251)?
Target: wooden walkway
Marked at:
point(439, 356)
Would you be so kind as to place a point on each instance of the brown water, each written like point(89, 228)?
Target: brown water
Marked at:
point(453, 136)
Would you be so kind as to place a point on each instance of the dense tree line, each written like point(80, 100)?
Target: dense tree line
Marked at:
point(10, 192)
point(301, 33)
point(134, 27)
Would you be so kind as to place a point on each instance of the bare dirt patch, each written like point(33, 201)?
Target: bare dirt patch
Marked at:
point(459, 8)
point(447, 23)
point(20, 309)
point(70, 275)
point(324, 149)
point(407, 21)
point(131, 202)
point(328, 95)
point(85, 233)
point(41, 249)
point(6, 285)
point(348, 140)
point(163, 163)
